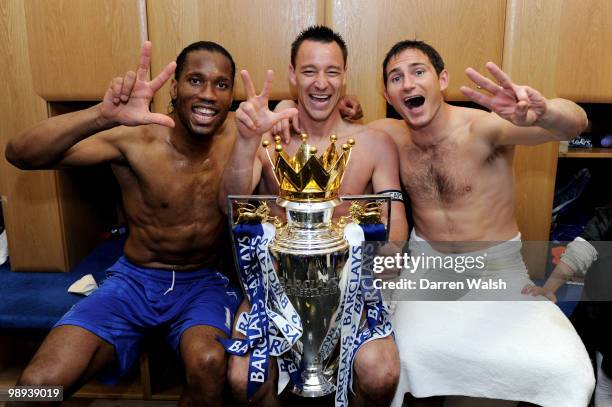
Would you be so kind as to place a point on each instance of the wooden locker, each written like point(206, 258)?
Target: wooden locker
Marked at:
point(257, 33)
point(465, 32)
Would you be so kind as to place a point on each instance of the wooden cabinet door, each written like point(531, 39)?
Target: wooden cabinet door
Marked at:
point(77, 46)
point(561, 47)
point(465, 32)
point(584, 72)
point(31, 210)
point(257, 33)
point(531, 49)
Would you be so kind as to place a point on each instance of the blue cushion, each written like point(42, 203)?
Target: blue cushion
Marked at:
point(32, 300)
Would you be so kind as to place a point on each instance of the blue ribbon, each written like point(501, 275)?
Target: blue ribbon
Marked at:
point(248, 238)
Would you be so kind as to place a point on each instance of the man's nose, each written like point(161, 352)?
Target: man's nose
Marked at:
point(208, 92)
point(407, 83)
point(321, 81)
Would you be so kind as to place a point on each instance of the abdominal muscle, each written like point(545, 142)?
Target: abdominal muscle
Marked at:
point(177, 248)
point(465, 221)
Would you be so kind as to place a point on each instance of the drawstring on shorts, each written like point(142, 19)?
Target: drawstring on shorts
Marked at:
point(172, 286)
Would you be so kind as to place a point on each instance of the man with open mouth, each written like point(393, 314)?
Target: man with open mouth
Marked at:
point(169, 278)
point(318, 72)
point(456, 165)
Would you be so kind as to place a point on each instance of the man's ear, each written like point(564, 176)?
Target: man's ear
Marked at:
point(292, 76)
point(386, 96)
point(444, 79)
point(173, 88)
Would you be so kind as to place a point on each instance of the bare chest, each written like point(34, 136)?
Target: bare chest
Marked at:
point(172, 187)
point(442, 173)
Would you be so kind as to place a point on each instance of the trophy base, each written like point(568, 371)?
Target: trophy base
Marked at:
point(314, 386)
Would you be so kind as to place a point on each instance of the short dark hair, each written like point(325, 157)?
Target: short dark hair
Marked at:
point(318, 33)
point(201, 46)
point(433, 55)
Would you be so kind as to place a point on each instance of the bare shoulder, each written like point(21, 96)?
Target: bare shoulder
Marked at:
point(392, 127)
point(371, 139)
point(137, 142)
point(479, 122)
point(470, 114)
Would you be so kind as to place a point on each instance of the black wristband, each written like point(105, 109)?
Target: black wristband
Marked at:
point(395, 194)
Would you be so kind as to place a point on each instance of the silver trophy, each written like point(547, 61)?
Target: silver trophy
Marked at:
point(309, 249)
point(310, 254)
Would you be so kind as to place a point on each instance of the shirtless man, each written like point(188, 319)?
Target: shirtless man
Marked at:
point(168, 168)
point(318, 71)
point(456, 165)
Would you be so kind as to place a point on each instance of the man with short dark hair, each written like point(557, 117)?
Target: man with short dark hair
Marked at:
point(168, 168)
point(456, 165)
point(318, 71)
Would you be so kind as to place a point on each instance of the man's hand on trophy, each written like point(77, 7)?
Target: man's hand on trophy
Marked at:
point(253, 117)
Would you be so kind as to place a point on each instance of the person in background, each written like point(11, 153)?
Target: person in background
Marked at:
point(590, 255)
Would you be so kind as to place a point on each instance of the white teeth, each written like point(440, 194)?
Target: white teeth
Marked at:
point(320, 97)
point(204, 111)
point(407, 98)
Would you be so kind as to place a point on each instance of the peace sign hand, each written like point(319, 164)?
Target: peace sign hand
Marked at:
point(520, 105)
point(253, 116)
point(127, 99)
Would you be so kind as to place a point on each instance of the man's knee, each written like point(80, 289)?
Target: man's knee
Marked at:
point(203, 367)
point(380, 383)
point(38, 373)
point(237, 376)
point(377, 372)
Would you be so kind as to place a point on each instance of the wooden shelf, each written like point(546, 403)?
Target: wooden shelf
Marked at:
point(168, 394)
point(596, 152)
point(126, 389)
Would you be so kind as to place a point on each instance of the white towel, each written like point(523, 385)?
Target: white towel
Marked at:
point(509, 350)
point(3, 247)
point(85, 285)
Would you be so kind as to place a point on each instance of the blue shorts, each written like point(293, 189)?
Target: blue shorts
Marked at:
point(133, 300)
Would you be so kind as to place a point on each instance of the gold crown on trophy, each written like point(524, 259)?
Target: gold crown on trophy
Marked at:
point(306, 177)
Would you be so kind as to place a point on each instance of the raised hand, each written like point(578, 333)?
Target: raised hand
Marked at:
point(127, 99)
point(253, 116)
point(520, 105)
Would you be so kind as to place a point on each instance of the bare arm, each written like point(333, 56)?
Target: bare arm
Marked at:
point(393, 127)
point(520, 114)
point(579, 256)
point(253, 119)
point(56, 142)
point(386, 177)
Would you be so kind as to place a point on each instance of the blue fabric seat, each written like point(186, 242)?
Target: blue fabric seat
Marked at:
point(38, 300)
